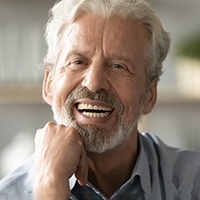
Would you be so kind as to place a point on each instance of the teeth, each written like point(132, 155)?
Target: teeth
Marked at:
point(89, 110)
point(95, 115)
point(83, 106)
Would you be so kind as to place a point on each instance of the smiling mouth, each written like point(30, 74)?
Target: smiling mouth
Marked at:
point(94, 111)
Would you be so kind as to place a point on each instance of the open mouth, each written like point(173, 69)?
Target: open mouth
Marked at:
point(94, 111)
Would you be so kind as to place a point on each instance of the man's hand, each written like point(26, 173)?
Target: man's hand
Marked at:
point(59, 154)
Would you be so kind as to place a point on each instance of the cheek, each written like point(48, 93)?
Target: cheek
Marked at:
point(131, 99)
point(131, 104)
point(64, 85)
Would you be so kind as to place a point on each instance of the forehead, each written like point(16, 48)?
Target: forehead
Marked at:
point(117, 35)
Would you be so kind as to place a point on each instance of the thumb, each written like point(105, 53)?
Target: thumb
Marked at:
point(82, 170)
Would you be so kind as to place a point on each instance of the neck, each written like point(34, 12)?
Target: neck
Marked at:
point(110, 170)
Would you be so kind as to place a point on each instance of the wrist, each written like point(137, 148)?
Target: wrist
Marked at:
point(51, 189)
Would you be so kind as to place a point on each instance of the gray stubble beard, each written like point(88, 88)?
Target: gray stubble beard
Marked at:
point(97, 140)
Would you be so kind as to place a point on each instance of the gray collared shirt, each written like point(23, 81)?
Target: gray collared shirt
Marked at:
point(160, 173)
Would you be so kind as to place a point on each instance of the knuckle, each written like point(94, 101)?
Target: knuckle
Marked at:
point(43, 132)
point(74, 137)
point(60, 127)
point(49, 125)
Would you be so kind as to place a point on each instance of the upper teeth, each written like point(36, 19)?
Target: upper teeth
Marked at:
point(83, 106)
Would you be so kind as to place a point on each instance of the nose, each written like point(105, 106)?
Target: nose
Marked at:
point(95, 78)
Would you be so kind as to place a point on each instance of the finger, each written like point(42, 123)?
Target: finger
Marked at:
point(38, 137)
point(84, 177)
point(40, 133)
point(82, 170)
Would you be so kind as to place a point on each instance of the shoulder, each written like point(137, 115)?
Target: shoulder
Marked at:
point(19, 182)
point(185, 157)
point(180, 166)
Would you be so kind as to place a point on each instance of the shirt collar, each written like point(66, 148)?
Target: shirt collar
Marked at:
point(72, 182)
point(142, 169)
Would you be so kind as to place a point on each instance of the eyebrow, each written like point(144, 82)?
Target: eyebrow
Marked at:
point(111, 56)
point(79, 53)
point(121, 58)
point(76, 53)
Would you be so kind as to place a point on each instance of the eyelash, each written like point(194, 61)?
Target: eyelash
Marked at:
point(80, 62)
point(118, 66)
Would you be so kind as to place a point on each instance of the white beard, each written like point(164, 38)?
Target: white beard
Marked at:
point(96, 139)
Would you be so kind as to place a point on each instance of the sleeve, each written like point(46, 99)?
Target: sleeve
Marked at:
point(18, 184)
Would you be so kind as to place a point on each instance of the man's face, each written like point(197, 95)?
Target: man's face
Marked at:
point(99, 83)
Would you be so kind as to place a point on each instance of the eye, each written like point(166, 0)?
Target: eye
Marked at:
point(76, 64)
point(118, 66)
point(79, 62)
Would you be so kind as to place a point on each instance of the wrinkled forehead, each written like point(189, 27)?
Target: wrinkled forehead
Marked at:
point(115, 34)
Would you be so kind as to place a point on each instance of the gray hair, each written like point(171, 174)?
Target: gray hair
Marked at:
point(67, 11)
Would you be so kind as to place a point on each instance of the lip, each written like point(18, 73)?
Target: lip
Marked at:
point(83, 119)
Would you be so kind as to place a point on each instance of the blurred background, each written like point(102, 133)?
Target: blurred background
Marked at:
point(176, 117)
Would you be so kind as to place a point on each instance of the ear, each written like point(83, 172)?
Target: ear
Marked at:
point(47, 87)
point(151, 97)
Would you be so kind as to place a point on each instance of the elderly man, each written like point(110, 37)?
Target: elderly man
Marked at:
point(103, 64)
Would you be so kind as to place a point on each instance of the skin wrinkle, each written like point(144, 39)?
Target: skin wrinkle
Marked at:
point(103, 43)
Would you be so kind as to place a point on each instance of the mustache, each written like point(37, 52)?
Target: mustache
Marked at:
point(102, 95)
